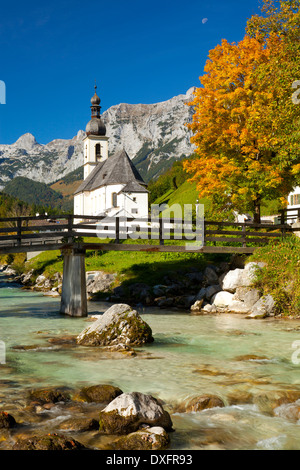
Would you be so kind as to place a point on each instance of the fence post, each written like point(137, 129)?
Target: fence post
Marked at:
point(19, 231)
point(161, 240)
point(117, 239)
point(244, 236)
point(70, 226)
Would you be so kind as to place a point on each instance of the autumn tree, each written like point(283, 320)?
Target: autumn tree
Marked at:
point(245, 124)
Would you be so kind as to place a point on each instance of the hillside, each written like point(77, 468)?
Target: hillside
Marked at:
point(33, 192)
point(67, 186)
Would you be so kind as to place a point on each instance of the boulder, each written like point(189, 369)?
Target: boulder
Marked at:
point(155, 438)
point(269, 400)
point(201, 294)
point(44, 396)
point(232, 280)
point(7, 421)
point(263, 308)
point(47, 442)
point(241, 277)
point(246, 295)
point(99, 281)
point(197, 306)
point(79, 425)
point(211, 291)
point(238, 307)
point(210, 275)
point(119, 324)
point(98, 394)
point(201, 403)
point(209, 309)
point(126, 413)
point(222, 299)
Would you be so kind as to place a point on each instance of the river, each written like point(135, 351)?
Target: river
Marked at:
point(224, 355)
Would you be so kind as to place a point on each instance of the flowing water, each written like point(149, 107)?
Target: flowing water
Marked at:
point(224, 355)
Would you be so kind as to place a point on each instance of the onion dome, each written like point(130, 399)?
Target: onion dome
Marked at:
point(96, 126)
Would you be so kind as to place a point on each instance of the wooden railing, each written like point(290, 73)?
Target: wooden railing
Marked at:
point(288, 216)
point(26, 233)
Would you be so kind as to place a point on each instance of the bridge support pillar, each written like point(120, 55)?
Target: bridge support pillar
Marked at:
point(73, 296)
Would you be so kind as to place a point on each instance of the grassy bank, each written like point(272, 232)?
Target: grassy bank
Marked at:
point(144, 267)
point(281, 275)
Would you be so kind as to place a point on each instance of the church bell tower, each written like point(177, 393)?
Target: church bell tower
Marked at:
point(95, 144)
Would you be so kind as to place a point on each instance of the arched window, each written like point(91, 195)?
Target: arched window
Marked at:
point(114, 199)
point(98, 151)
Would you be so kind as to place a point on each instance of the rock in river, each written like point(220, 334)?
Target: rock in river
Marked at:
point(47, 442)
point(119, 324)
point(98, 393)
point(155, 438)
point(126, 413)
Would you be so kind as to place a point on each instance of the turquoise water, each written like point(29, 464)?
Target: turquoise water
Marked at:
point(191, 355)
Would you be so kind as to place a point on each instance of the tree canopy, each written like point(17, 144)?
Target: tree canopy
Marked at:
point(246, 126)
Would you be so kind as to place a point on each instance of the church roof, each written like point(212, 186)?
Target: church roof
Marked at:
point(117, 169)
point(134, 187)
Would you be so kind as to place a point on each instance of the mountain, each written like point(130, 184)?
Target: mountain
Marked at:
point(153, 135)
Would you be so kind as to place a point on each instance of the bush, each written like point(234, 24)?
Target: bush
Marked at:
point(281, 275)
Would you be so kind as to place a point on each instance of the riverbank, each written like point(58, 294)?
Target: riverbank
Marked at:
point(173, 280)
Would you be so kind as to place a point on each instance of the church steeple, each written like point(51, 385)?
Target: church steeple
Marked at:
point(95, 126)
point(96, 142)
point(95, 104)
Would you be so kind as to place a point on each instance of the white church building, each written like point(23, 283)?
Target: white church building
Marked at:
point(112, 185)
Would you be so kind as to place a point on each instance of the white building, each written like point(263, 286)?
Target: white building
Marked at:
point(294, 203)
point(112, 185)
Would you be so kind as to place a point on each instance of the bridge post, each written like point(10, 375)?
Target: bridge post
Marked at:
point(73, 296)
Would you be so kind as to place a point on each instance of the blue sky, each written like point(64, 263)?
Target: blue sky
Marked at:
point(138, 51)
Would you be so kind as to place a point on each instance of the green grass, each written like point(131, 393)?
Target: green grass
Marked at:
point(144, 267)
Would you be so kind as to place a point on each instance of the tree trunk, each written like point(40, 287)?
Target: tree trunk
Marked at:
point(257, 211)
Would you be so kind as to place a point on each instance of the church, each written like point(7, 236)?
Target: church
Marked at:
point(112, 185)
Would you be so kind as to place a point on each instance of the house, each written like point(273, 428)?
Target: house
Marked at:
point(112, 185)
point(294, 203)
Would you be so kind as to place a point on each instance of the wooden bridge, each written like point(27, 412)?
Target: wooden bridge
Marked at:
point(74, 234)
point(41, 233)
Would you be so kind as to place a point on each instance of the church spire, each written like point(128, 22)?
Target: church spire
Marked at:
point(95, 126)
point(95, 108)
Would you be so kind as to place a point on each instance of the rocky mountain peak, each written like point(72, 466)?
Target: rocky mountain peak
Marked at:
point(26, 142)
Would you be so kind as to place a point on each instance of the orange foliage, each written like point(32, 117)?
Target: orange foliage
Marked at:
point(241, 156)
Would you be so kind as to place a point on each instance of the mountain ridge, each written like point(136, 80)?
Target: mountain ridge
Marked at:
point(154, 135)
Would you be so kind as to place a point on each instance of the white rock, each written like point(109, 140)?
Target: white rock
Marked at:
point(233, 280)
point(263, 308)
point(222, 299)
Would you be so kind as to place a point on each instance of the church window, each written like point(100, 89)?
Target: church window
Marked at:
point(114, 199)
point(134, 211)
point(98, 151)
